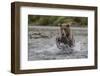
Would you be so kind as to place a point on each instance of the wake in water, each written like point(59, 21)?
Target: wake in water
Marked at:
point(50, 51)
point(42, 46)
point(64, 49)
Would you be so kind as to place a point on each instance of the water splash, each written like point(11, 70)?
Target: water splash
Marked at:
point(77, 46)
point(45, 48)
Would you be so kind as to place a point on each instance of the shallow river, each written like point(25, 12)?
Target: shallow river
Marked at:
point(42, 44)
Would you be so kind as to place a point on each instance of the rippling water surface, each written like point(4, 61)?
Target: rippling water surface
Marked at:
point(42, 44)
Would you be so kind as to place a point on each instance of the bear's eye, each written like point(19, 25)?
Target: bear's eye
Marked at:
point(67, 25)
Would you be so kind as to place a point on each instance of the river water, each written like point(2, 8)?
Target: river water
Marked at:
point(42, 44)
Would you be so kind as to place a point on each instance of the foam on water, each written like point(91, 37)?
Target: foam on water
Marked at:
point(46, 48)
point(77, 46)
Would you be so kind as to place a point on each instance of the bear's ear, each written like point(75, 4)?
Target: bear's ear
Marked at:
point(59, 24)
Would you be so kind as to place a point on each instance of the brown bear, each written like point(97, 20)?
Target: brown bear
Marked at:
point(66, 36)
